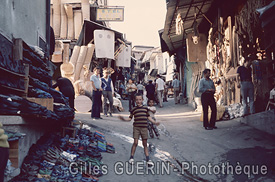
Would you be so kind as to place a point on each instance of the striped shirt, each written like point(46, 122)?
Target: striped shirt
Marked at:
point(141, 115)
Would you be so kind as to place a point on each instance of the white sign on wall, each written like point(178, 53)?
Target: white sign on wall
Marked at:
point(109, 14)
point(124, 58)
point(104, 43)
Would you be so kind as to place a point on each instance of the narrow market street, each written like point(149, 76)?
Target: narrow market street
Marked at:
point(137, 91)
point(184, 141)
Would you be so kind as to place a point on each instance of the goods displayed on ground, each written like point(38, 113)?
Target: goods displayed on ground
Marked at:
point(51, 158)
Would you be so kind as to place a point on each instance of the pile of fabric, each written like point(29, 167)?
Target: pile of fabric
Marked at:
point(56, 158)
point(15, 105)
point(10, 105)
point(63, 111)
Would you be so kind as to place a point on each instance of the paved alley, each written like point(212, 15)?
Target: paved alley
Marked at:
point(185, 151)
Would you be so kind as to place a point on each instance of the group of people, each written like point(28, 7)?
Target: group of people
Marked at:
point(244, 82)
point(102, 86)
point(157, 92)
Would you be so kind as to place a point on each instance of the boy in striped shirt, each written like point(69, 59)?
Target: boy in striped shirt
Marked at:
point(141, 115)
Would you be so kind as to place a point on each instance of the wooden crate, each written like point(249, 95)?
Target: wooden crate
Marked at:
point(47, 102)
point(14, 153)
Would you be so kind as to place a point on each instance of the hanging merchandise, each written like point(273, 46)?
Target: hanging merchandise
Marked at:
point(57, 55)
point(67, 69)
point(85, 7)
point(85, 68)
point(124, 58)
point(77, 23)
point(196, 52)
point(104, 43)
point(80, 62)
point(64, 22)
point(70, 16)
point(75, 54)
point(56, 17)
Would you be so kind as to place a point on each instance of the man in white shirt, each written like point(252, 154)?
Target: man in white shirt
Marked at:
point(97, 92)
point(159, 89)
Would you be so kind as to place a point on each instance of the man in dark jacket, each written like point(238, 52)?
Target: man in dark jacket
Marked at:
point(66, 88)
point(150, 89)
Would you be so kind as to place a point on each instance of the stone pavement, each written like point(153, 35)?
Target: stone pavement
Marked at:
point(230, 153)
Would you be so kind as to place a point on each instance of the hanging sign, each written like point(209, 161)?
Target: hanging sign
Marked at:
point(110, 14)
point(124, 58)
point(104, 43)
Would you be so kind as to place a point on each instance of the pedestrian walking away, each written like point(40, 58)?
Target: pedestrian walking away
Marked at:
point(244, 80)
point(141, 115)
point(108, 92)
point(152, 128)
point(66, 88)
point(159, 89)
point(97, 93)
point(176, 87)
point(207, 88)
point(150, 90)
point(140, 88)
point(131, 89)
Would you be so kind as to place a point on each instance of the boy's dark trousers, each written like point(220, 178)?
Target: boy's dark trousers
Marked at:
point(131, 98)
point(96, 104)
point(207, 99)
point(152, 127)
point(4, 156)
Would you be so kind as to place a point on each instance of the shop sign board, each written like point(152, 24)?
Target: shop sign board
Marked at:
point(110, 14)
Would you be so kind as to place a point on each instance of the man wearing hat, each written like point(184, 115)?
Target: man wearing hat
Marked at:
point(97, 92)
point(108, 91)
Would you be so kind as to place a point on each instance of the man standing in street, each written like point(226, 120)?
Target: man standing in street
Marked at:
point(131, 89)
point(140, 88)
point(159, 89)
point(207, 88)
point(150, 90)
point(66, 88)
point(247, 87)
point(176, 87)
point(97, 92)
point(108, 91)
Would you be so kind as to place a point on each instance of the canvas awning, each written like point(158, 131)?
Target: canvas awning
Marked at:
point(87, 32)
point(187, 10)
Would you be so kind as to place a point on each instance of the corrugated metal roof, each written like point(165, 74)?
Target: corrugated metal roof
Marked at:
point(187, 10)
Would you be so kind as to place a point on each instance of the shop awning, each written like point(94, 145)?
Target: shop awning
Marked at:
point(163, 44)
point(87, 32)
point(187, 10)
point(154, 72)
